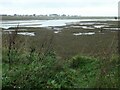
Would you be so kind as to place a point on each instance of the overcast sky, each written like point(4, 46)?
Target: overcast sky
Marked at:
point(68, 7)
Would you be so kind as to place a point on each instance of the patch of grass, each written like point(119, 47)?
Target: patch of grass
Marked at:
point(79, 72)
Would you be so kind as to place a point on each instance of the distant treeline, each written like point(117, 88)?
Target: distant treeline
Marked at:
point(50, 17)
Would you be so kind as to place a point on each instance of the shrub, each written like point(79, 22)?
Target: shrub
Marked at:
point(80, 61)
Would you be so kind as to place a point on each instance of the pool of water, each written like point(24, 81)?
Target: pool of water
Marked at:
point(27, 33)
point(89, 33)
point(44, 23)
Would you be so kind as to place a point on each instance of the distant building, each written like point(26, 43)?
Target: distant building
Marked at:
point(53, 15)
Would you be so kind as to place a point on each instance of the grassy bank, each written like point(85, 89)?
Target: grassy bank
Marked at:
point(31, 70)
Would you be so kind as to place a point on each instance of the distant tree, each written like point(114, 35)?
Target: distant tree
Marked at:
point(34, 14)
point(15, 14)
point(4, 14)
point(115, 17)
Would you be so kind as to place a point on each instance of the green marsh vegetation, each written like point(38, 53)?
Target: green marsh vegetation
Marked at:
point(60, 60)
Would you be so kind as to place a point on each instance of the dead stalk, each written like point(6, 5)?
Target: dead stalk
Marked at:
point(11, 44)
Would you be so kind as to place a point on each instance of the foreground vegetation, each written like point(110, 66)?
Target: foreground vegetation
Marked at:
point(31, 70)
